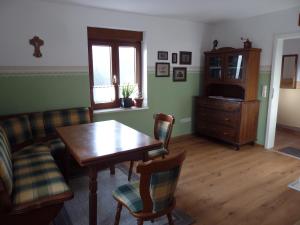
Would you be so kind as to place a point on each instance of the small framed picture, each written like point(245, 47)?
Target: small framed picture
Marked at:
point(174, 58)
point(179, 74)
point(162, 55)
point(162, 69)
point(185, 58)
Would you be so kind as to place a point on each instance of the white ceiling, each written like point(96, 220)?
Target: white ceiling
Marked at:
point(209, 11)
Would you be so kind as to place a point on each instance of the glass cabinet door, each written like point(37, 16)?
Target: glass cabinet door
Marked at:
point(235, 63)
point(215, 67)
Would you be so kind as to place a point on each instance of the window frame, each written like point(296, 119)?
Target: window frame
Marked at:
point(115, 39)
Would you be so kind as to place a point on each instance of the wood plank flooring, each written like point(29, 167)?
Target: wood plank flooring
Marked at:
point(221, 186)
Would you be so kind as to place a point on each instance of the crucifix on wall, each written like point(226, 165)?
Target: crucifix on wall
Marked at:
point(37, 43)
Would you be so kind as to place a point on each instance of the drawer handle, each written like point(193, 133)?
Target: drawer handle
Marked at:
point(226, 119)
point(225, 133)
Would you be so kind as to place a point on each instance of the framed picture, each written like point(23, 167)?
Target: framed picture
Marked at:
point(179, 74)
point(162, 55)
point(185, 58)
point(162, 69)
point(174, 58)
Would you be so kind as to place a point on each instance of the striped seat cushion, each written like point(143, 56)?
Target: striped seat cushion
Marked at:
point(129, 195)
point(36, 175)
point(157, 153)
point(60, 118)
point(17, 129)
point(6, 169)
point(37, 125)
point(162, 188)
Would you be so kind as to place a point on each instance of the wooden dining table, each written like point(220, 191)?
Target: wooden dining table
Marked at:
point(100, 145)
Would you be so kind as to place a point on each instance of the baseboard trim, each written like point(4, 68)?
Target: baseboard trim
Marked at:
point(288, 127)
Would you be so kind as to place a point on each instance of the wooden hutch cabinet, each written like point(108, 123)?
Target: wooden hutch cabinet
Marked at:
point(229, 108)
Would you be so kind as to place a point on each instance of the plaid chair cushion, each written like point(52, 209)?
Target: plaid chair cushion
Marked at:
point(56, 146)
point(66, 117)
point(162, 188)
point(6, 170)
point(157, 153)
point(36, 175)
point(37, 125)
point(163, 128)
point(17, 129)
point(129, 195)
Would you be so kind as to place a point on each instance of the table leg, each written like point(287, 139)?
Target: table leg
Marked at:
point(66, 165)
point(145, 156)
point(93, 196)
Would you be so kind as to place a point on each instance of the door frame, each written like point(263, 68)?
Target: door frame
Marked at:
point(275, 86)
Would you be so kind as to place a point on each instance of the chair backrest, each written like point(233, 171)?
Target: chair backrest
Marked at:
point(158, 182)
point(163, 126)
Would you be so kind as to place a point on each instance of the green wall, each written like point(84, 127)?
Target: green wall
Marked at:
point(38, 92)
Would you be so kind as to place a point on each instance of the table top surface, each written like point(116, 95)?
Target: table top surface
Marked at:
point(93, 141)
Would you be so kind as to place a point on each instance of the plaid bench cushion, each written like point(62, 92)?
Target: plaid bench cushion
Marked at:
point(37, 125)
point(66, 117)
point(129, 195)
point(56, 146)
point(17, 129)
point(6, 169)
point(157, 152)
point(162, 188)
point(36, 175)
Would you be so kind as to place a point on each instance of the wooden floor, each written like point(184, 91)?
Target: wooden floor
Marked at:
point(221, 186)
point(286, 138)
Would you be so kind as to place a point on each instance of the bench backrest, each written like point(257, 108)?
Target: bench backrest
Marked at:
point(23, 129)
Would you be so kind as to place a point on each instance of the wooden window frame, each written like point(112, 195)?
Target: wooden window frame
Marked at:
point(115, 39)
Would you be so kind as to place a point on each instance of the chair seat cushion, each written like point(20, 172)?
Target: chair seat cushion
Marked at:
point(157, 153)
point(129, 195)
point(36, 175)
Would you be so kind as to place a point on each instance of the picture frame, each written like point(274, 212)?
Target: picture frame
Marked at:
point(174, 58)
point(179, 74)
point(162, 69)
point(162, 55)
point(185, 58)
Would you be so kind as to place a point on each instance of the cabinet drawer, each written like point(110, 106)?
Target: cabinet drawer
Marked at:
point(219, 104)
point(217, 131)
point(222, 117)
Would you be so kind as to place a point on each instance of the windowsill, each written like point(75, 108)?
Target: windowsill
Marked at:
point(116, 110)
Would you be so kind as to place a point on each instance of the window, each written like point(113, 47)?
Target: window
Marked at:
point(114, 60)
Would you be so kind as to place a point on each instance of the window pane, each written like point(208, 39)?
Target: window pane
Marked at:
point(127, 60)
point(103, 94)
point(102, 70)
point(102, 65)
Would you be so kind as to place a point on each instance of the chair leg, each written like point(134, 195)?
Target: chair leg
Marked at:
point(118, 213)
point(112, 170)
point(152, 220)
point(170, 219)
point(140, 222)
point(130, 170)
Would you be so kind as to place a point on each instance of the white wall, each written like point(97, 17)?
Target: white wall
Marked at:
point(289, 107)
point(292, 47)
point(63, 28)
point(260, 30)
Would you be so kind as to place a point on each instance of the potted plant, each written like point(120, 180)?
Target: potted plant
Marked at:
point(139, 100)
point(127, 91)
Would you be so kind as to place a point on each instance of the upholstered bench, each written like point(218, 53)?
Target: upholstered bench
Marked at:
point(39, 127)
point(32, 189)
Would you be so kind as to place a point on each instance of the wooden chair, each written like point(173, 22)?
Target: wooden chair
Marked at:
point(153, 195)
point(163, 126)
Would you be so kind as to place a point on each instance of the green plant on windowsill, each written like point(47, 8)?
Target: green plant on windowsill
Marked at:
point(127, 91)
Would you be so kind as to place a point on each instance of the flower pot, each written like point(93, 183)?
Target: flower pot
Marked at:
point(139, 102)
point(126, 102)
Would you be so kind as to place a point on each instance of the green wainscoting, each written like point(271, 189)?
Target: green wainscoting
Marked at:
point(39, 92)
